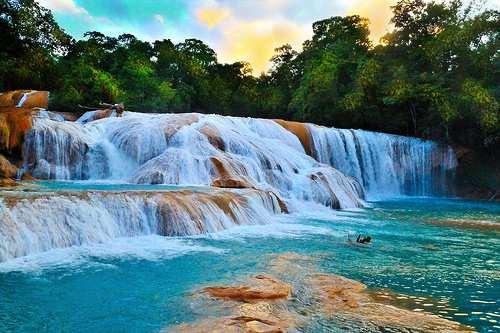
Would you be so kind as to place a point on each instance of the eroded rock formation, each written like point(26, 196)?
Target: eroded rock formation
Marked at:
point(301, 131)
point(14, 125)
point(17, 109)
point(26, 99)
point(260, 287)
point(194, 149)
point(7, 170)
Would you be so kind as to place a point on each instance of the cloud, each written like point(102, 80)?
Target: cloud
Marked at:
point(255, 41)
point(378, 12)
point(212, 16)
point(237, 30)
point(159, 18)
point(63, 6)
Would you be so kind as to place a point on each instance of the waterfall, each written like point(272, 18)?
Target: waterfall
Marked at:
point(40, 222)
point(386, 165)
point(264, 166)
point(186, 149)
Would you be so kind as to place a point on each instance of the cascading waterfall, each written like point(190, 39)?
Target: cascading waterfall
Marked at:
point(43, 222)
point(387, 165)
point(186, 149)
point(262, 161)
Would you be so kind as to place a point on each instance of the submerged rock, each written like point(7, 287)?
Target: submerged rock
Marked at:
point(255, 307)
point(340, 296)
point(486, 225)
point(236, 324)
point(268, 307)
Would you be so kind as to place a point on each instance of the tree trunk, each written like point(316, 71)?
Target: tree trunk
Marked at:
point(413, 115)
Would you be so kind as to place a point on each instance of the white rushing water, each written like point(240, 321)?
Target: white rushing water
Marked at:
point(386, 165)
point(259, 155)
point(42, 222)
point(186, 149)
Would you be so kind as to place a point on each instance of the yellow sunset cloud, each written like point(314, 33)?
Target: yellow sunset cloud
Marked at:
point(212, 16)
point(378, 12)
point(255, 41)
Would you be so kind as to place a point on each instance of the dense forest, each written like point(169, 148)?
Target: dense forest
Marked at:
point(435, 75)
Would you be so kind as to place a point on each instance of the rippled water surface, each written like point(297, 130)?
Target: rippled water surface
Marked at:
point(438, 255)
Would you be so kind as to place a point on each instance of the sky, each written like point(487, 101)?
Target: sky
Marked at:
point(247, 30)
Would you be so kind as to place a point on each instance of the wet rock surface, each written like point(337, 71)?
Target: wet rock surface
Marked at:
point(25, 99)
point(294, 295)
point(261, 287)
point(7, 170)
point(300, 130)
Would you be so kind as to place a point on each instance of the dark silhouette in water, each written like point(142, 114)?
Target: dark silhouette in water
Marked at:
point(360, 239)
point(363, 239)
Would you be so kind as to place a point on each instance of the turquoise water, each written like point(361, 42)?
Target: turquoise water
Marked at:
point(144, 284)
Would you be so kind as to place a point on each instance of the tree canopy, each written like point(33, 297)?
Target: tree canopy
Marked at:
point(435, 75)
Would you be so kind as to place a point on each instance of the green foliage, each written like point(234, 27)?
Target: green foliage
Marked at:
point(436, 75)
point(482, 105)
point(84, 84)
point(30, 40)
point(317, 93)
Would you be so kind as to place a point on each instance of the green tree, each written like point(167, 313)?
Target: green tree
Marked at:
point(30, 41)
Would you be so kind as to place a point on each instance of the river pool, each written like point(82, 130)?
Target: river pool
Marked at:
point(440, 255)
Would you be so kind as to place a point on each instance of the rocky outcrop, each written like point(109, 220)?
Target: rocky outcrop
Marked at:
point(300, 130)
point(261, 287)
point(7, 170)
point(214, 136)
point(8, 173)
point(227, 176)
point(478, 175)
point(14, 125)
point(17, 109)
point(95, 115)
point(264, 304)
point(26, 99)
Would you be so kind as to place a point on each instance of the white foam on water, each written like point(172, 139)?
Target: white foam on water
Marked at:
point(42, 222)
point(282, 228)
point(151, 248)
